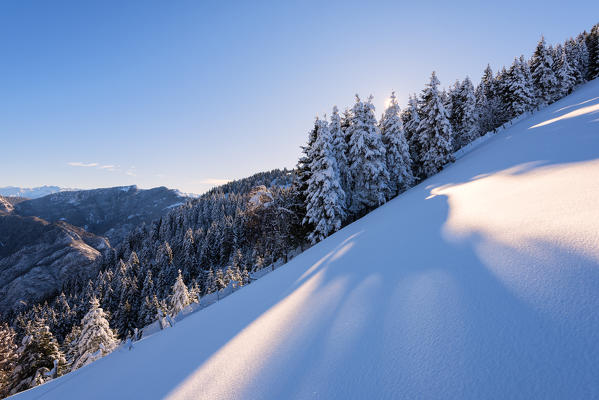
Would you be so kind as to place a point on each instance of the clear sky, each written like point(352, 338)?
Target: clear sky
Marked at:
point(187, 94)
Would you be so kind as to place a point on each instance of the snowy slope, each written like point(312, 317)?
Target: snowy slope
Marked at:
point(482, 282)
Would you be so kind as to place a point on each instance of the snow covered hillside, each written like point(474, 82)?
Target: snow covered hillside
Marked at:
point(481, 282)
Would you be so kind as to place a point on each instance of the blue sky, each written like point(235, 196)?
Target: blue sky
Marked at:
point(187, 94)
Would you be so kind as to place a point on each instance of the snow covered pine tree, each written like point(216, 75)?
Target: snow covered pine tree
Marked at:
point(367, 160)
point(180, 296)
point(97, 339)
point(325, 199)
point(8, 357)
point(40, 358)
point(399, 163)
point(434, 130)
point(543, 77)
point(463, 114)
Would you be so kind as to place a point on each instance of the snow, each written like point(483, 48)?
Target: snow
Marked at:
point(186, 194)
point(481, 282)
point(483, 139)
point(174, 205)
point(32, 193)
point(260, 196)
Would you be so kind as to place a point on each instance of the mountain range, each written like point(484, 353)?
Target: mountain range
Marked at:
point(30, 193)
point(48, 241)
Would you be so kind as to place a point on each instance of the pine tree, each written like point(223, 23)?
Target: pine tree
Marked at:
point(434, 130)
point(97, 339)
point(238, 260)
point(220, 280)
point(447, 101)
point(108, 294)
point(303, 165)
point(135, 265)
point(126, 315)
point(525, 69)
point(69, 346)
point(583, 57)
point(488, 103)
point(148, 311)
point(543, 77)
point(303, 174)
point(325, 200)
point(237, 277)
point(346, 120)
point(565, 76)
point(90, 291)
point(229, 276)
point(245, 277)
point(159, 306)
point(37, 356)
point(209, 282)
point(164, 264)
point(465, 123)
point(521, 97)
point(411, 119)
point(189, 247)
point(8, 357)
point(453, 101)
point(469, 121)
point(399, 163)
point(502, 87)
point(64, 315)
point(147, 289)
point(572, 55)
point(592, 44)
point(340, 148)
point(194, 292)
point(179, 298)
point(556, 55)
point(367, 159)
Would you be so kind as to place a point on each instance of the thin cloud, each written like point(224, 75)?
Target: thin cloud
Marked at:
point(131, 171)
point(111, 168)
point(81, 164)
point(214, 181)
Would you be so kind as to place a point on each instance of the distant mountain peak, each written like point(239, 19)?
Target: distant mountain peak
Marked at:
point(31, 193)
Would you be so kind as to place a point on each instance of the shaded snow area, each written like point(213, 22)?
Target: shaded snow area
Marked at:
point(480, 283)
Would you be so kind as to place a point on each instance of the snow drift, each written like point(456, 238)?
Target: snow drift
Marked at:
point(481, 282)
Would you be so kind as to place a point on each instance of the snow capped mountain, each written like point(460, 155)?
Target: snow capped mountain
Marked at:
point(31, 193)
point(481, 282)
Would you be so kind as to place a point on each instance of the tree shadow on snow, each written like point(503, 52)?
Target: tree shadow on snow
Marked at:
point(404, 312)
point(392, 307)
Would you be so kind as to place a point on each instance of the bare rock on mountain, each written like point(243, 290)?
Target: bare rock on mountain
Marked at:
point(38, 257)
point(5, 206)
